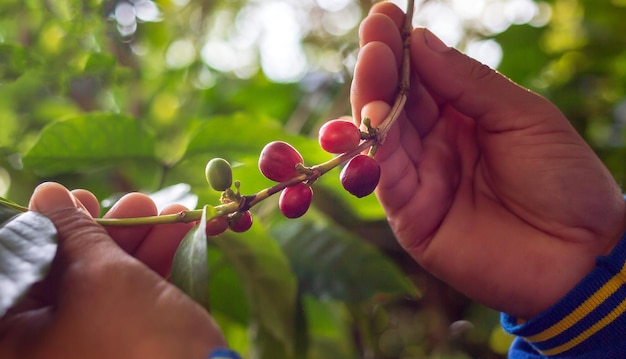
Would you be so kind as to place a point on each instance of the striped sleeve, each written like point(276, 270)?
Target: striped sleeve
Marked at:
point(589, 322)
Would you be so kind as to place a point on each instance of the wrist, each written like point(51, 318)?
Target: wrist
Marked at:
point(585, 319)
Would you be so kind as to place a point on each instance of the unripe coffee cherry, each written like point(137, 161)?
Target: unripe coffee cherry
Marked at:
point(360, 175)
point(339, 136)
point(295, 200)
point(216, 226)
point(278, 161)
point(240, 222)
point(219, 174)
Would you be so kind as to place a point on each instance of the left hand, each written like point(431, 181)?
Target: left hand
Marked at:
point(100, 302)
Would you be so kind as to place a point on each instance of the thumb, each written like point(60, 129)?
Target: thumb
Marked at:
point(79, 235)
point(474, 89)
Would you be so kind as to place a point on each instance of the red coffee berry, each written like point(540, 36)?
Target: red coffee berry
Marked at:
point(240, 222)
point(295, 200)
point(339, 136)
point(360, 175)
point(278, 161)
point(216, 226)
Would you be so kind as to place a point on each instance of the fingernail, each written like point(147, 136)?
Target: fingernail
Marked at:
point(434, 42)
point(51, 197)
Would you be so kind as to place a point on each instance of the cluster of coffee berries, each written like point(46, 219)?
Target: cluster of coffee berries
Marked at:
point(279, 162)
point(219, 174)
point(361, 174)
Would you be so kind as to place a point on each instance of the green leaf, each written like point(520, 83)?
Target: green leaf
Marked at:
point(190, 270)
point(244, 134)
point(332, 263)
point(340, 202)
point(228, 296)
point(89, 141)
point(331, 328)
point(99, 63)
point(27, 247)
point(269, 284)
point(13, 60)
point(101, 68)
point(519, 42)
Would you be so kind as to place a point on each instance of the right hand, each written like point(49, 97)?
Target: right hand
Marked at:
point(485, 184)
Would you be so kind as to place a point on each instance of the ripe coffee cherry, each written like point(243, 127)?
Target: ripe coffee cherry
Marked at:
point(219, 174)
point(278, 161)
point(216, 226)
point(339, 136)
point(360, 175)
point(240, 222)
point(295, 200)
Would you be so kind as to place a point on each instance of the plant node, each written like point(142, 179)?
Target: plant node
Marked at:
point(245, 202)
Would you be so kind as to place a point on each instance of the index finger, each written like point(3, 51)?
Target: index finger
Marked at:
point(158, 248)
point(376, 72)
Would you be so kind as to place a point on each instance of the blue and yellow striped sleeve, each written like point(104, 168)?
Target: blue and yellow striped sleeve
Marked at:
point(589, 322)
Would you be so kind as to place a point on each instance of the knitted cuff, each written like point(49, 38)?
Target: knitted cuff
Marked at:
point(224, 353)
point(589, 319)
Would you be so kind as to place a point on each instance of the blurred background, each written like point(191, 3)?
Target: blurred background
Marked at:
point(137, 95)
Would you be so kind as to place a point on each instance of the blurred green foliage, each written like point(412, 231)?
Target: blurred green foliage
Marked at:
point(118, 96)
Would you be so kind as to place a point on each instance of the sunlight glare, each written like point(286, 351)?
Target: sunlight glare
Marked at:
point(488, 52)
point(282, 56)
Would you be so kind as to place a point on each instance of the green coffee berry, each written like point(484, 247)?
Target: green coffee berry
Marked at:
point(219, 174)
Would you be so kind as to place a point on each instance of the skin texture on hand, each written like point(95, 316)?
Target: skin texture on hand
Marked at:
point(100, 302)
point(485, 184)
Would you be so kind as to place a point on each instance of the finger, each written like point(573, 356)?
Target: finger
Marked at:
point(131, 205)
point(88, 200)
point(472, 88)
point(375, 77)
point(158, 248)
point(402, 137)
point(50, 199)
point(79, 236)
point(390, 10)
point(381, 28)
point(398, 180)
point(376, 71)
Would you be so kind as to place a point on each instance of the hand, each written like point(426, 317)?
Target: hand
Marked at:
point(100, 302)
point(485, 184)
